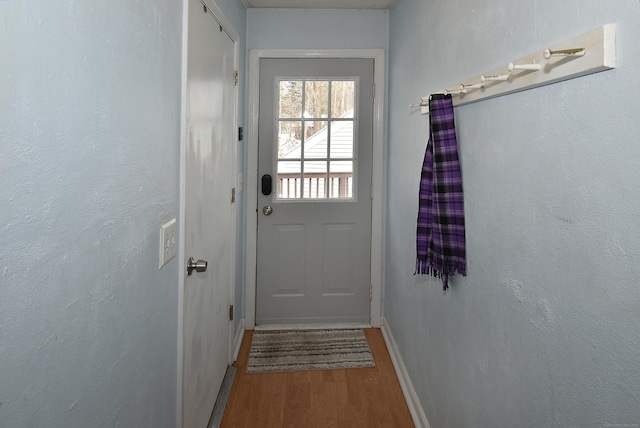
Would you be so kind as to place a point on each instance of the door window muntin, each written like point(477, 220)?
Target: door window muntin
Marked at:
point(292, 156)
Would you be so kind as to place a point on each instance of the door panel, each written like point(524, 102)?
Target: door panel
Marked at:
point(290, 239)
point(314, 247)
point(209, 159)
point(337, 265)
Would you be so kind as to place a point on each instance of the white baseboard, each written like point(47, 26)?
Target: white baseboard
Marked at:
point(238, 339)
point(415, 408)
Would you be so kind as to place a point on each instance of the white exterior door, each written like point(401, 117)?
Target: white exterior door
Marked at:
point(209, 222)
point(314, 191)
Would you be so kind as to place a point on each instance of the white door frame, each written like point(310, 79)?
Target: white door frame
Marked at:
point(255, 55)
point(235, 37)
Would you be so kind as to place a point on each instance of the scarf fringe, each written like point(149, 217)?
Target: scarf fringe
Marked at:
point(423, 267)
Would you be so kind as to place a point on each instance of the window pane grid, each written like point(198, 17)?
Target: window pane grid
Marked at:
point(315, 154)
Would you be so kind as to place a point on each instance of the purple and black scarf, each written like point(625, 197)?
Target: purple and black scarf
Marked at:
point(440, 235)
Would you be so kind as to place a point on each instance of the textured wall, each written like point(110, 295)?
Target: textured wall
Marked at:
point(544, 330)
point(317, 29)
point(89, 166)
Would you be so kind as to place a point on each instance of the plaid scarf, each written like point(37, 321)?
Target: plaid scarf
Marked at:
point(440, 234)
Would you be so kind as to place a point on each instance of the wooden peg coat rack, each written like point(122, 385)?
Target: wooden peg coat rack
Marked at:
point(588, 53)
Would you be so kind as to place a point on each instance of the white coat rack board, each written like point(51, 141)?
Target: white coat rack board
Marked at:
point(588, 53)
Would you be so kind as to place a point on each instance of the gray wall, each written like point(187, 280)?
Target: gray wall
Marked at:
point(89, 166)
point(544, 330)
point(317, 29)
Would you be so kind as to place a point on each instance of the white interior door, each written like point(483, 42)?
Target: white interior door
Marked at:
point(314, 223)
point(209, 224)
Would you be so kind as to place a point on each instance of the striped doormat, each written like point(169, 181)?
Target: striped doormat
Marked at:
point(282, 351)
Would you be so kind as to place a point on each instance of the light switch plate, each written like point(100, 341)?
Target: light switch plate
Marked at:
point(168, 242)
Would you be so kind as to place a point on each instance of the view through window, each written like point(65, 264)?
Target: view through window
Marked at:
point(315, 134)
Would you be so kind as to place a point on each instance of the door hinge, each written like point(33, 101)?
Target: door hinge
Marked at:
point(235, 77)
point(233, 195)
point(230, 312)
point(371, 293)
point(374, 91)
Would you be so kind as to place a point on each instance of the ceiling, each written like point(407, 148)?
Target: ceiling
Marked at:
point(320, 4)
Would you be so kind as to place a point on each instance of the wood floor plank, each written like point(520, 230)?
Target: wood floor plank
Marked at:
point(346, 398)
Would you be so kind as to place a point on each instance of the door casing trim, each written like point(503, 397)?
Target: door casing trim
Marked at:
point(377, 205)
point(235, 37)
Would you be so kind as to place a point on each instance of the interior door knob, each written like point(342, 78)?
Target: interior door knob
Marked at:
point(199, 266)
point(267, 210)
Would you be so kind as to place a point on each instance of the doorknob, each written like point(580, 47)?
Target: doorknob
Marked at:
point(199, 266)
point(267, 210)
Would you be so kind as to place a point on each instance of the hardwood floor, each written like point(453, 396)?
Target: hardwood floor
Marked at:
point(364, 397)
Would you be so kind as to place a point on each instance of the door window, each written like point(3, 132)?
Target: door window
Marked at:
point(315, 157)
